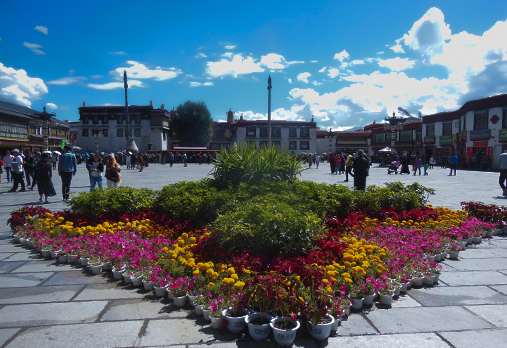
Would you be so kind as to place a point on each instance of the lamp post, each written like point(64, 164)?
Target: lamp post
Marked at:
point(45, 117)
point(269, 111)
point(330, 134)
point(97, 133)
point(394, 126)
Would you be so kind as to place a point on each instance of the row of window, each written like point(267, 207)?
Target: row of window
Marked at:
point(105, 132)
point(293, 145)
point(481, 122)
point(104, 119)
point(403, 136)
point(276, 132)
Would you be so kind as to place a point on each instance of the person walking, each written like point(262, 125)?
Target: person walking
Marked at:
point(404, 165)
point(67, 168)
point(503, 172)
point(28, 166)
point(112, 172)
point(54, 159)
point(454, 164)
point(332, 163)
point(361, 167)
point(7, 165)
point(317, 161)
point(36, 160)
point(17, 172)
point(96, 170)
point(348, 167)
point(417, 165)
point(43, 177)
point(426, 166)
point(171, 159)
point(140, 162)
point(184, 160)
point(1, 168)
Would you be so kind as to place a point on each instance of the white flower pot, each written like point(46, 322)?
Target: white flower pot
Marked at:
point(357, 303)
point(386, 299)
point(118, 273)
point(180, 301)
point(216, 323)
point(191, 298)
point(72, 258)
point(235, 324)
point(321, 331)
point(429, 280)
point(453, 254)
point(437, 277)
point(404, 287)
point(148, 285)
point(160, 291)
point(63, 258)
point(137, 281)
point(258, 331)
point(205, 314)
point(368, 299)
point(45, 253)
point(417, 281)
point(198, 309)
point(284, 337)
point(84, 261)
point(127, 278)
point(336, 322)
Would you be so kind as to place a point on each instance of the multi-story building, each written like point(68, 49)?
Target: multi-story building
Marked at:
point(105, 128)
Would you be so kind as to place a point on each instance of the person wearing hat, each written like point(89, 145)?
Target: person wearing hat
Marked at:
point(67, 168)
point(17, 172)
point(348, 167)
point(361, 167)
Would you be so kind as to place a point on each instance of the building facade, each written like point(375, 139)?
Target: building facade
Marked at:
point(104, 128)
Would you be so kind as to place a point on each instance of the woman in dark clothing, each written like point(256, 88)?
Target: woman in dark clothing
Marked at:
point(361, 167)
point(44, 173)
point(404, 165)
point(332, 163)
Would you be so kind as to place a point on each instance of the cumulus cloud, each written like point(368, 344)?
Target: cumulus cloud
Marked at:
point(332, 73)
point(198, 84)
point(237, 65)
point(341, 56)
point(141, 71)
point(115, 85)
point(230, 47)
point(201, 55)
point(304, 77)
point(17, 87)
point(323, 69)
point(52, 106)
point(35, 48)
point(396, 64)
point(397, 48)
point(42, 29)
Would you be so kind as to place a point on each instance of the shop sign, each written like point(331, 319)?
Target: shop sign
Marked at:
point(483, 134)
point(445, 140)
point(13, 130)
point(480, 143)
point(429, 140)
point(502, 135)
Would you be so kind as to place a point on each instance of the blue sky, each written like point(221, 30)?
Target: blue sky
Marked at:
point(347, 63)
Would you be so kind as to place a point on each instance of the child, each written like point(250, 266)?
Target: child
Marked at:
point(426, 166)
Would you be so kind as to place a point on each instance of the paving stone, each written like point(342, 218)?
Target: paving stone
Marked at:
point(495, 314)
point(425, 319)
point(42, 266)
point(477, 339)
point(109, 292)
point(16, 280)
point(457, 295)
point(78, 277)
point(6, 334)
point(38, 294)
point(426, 340)
point(6, 266)
point(3, 256)
point(477, 264)
point(50, 313)
point(405, 301)
point(24, 256)
point(8, 247)
point(99, 335)
point(355, 324)
point(500, 288)
point(484, 253)
point(176, 331)
point(140, 309)
point(473, 278)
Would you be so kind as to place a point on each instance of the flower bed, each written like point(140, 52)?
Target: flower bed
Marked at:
point(360, 254)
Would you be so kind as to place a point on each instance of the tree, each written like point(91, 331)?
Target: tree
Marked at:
point(192, 124)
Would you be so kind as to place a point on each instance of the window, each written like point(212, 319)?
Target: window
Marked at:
point(418, 136)
point(481, 120)
point(250, 131)
point(138, 119)
point(304, 145)
point(95, 119)
point(388, 137)
point(430, 130)
point(447, 128)
point(293, 132)
point(137, 133)
point(406, 136)
point(104, 120)
point(305, 132)
point(119, 133)
point(276, 143)
point(120, 120)
point(264, 132)
point(86, 120)
point(263, 143)
point(276, 132)
point(293, 145)
point(105, 132)
point(378, 138)
point(85, 132)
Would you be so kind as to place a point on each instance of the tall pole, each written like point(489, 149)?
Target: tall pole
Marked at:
point(269, 111)
point(125, 85)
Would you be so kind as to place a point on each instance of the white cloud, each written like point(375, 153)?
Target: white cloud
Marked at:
point(98, 76)
point(198, 84)
point(234, 67)
point(17, 87)
point(315, 83)
point(381, 52)
point(290, 81)
point(314, 61)
point(341, 56)
point(396, 64)
point(118, 53)
point(273, 61)
point(63, 107)
point(332, 73)
point(42, 29)
point(227, 55)
point(397, 48)
point(35, 48)
point(115, 85)
point(323, 69)
point(201, 55)
point(141, 71)
point(52, 106)
point(65, 81)
point(304, 77)
point(230, 47)
point(357, 62)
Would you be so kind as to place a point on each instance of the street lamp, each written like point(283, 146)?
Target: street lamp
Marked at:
point(330, 134)
point(45, 117)
point(97, 133)
point(394, 126)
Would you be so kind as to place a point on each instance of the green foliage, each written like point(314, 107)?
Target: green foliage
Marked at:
point(192, 124)
point(114, 200)
point(264, 224)
point(246, 164)
point(196, 202)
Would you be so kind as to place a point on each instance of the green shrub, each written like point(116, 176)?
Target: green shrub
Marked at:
point(196, 202)
point(267, 225)
point(114, 200)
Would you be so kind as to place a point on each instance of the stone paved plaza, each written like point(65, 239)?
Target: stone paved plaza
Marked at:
point(47, 304)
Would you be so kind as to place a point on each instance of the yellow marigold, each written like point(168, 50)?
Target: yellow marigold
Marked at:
point(325, 281)
point(329, 290)
point(234, 276)
point(181, 242)
point(210, 284)
point(230, 271)
point(196, 272)
point(239, 285)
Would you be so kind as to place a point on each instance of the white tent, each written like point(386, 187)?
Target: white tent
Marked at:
point(385, 150)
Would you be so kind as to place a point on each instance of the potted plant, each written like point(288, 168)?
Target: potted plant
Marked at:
point(261, 299)
point(386, 293)
point(179, 291)
point(216, 314)
point(286, 304)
